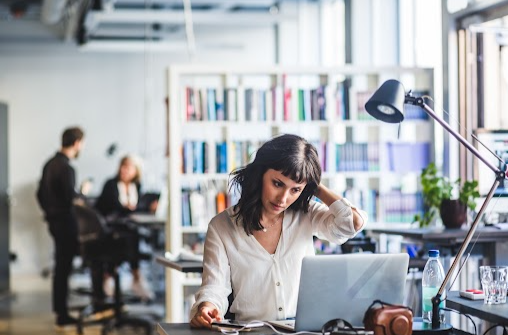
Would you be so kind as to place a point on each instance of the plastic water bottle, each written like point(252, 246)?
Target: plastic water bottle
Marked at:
point(433, 276)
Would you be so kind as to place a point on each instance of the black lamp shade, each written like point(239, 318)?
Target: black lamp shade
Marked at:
point(387, 103)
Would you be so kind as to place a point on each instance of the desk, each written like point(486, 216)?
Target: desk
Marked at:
point(182, 266)
point(490, 313)
point(147, 220)
point(489, 237)
point(185, 329)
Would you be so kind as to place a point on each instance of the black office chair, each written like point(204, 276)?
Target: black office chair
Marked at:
point(359, 243)
point(102, 248)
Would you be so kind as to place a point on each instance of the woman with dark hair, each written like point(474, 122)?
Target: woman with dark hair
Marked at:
point(255, 248)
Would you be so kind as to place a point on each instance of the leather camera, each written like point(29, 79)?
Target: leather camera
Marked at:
point(388, 319)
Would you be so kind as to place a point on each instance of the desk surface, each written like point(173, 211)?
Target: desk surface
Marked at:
point(441, 235)
point(491, 313)
point(185, 329)
point(183, 266)
point(147, 219)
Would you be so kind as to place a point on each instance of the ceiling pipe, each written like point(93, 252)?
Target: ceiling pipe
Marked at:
point(189, 28)
point(52, 11)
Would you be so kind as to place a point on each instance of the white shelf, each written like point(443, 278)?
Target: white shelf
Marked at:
point(205, 70)
point(193, 230)
point(271, 123)
point(190, 82)
point(204, 176)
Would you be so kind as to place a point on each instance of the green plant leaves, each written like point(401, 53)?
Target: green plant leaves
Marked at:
point(436, 188)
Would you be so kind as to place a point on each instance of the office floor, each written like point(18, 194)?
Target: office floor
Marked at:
point(27, 310)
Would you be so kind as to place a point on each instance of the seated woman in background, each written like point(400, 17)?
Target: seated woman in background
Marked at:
point(119, 198)
point(120, 195)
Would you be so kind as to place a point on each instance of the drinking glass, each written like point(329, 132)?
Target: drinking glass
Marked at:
point(494, 283)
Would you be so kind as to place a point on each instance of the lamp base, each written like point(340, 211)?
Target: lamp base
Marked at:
point(424, 328)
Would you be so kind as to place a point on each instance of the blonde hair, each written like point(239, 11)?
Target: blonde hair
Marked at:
point(137, 165)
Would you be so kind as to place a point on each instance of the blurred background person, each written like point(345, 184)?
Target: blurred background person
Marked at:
point(120, 197)
point(56, 194)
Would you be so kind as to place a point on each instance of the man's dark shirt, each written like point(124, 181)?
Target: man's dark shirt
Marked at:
point(56, 189)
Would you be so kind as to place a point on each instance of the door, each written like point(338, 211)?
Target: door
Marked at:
point(4, 204)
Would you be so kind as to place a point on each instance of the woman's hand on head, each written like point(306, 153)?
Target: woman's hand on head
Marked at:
point(207, 312)
point(324, 194)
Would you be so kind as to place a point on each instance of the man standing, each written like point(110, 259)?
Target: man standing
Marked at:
point(56, 194)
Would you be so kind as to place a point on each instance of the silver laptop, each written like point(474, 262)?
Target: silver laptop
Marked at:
point(344, 286)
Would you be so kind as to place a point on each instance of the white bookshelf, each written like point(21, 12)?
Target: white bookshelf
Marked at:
point(184, 130)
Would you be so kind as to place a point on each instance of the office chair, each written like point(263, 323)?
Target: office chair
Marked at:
point(359, 243)
point(101, 248)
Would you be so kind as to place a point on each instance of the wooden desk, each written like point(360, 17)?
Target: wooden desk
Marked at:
point(488, 237)
point(182, 266)
point(490, 313)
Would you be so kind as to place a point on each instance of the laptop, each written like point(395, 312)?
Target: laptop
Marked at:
point(160, 214)
point(146, 200)
point(344, 286)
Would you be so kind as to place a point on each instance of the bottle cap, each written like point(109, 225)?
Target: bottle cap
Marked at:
point(433, 253)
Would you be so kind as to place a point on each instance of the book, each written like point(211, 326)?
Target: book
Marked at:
point(211, 107)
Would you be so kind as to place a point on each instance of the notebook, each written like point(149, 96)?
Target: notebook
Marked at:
point(344, 286)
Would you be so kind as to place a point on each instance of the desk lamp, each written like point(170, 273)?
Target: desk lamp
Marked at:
point(386, 104)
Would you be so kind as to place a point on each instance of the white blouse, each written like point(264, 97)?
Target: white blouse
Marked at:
point(127, 195)
point(266, 285)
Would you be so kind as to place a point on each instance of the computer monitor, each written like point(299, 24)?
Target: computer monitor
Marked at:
point(497, 142)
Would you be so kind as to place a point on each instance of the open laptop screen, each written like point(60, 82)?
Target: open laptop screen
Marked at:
point(344, 286)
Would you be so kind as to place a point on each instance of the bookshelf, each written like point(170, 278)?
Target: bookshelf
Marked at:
point(218, 116)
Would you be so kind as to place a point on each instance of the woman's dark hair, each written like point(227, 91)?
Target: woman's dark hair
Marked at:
point(291, 155)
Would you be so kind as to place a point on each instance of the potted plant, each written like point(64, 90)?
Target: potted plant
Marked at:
point(437, 196)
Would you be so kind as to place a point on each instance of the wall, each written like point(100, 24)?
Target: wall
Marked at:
point(4, 202)
point(116, 98)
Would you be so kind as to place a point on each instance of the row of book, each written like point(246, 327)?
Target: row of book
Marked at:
point(199, 206)
point(396, 206)
point(366, 199)
point(280, 103)
point(198, 157)
point(255, 104)
point(352, 156)
point(402, 207)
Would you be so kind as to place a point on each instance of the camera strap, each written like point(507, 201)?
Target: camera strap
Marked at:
point(384, 304)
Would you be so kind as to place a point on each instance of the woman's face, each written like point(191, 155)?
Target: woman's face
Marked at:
point(279, 192)
point(128, 171)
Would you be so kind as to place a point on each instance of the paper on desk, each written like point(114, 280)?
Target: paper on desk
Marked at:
point(501, 225)
point(184, 255)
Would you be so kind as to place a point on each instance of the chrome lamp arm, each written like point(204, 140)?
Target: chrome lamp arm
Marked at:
point(386, 104)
